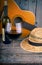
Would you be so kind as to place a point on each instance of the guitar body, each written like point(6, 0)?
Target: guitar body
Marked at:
point(27, 16)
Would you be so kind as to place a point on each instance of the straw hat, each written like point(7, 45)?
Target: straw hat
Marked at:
point(34, 42)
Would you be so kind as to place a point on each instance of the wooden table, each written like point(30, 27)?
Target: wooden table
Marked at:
point(13, 53)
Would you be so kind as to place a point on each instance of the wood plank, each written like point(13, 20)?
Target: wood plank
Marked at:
point(24, 4)
point(13, 53)
point(32, 5)
point(39, 13)
point(0, 27)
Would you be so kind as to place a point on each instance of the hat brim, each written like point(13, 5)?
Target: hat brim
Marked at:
point(28, 47)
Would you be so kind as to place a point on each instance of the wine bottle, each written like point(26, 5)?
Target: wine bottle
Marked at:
point(6, 25)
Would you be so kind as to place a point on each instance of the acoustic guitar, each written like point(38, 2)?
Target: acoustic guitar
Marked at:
point(28, 18)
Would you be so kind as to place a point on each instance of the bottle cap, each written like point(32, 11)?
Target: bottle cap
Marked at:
point(7, 20)
point(5, 2)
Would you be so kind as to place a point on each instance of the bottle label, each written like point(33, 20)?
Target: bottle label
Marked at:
point(8, 27)
point(18, 28)
point(3, 34)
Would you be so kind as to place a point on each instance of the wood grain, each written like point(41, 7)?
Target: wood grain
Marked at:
point(13, 53)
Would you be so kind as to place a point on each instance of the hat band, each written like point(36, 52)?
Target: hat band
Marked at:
point(34, 44)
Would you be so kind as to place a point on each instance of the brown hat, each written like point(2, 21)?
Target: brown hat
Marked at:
point(34, 42)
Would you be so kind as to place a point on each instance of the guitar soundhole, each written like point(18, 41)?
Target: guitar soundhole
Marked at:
point(17, 19)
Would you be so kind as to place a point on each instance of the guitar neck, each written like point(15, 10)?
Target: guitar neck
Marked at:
point(28, 26)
